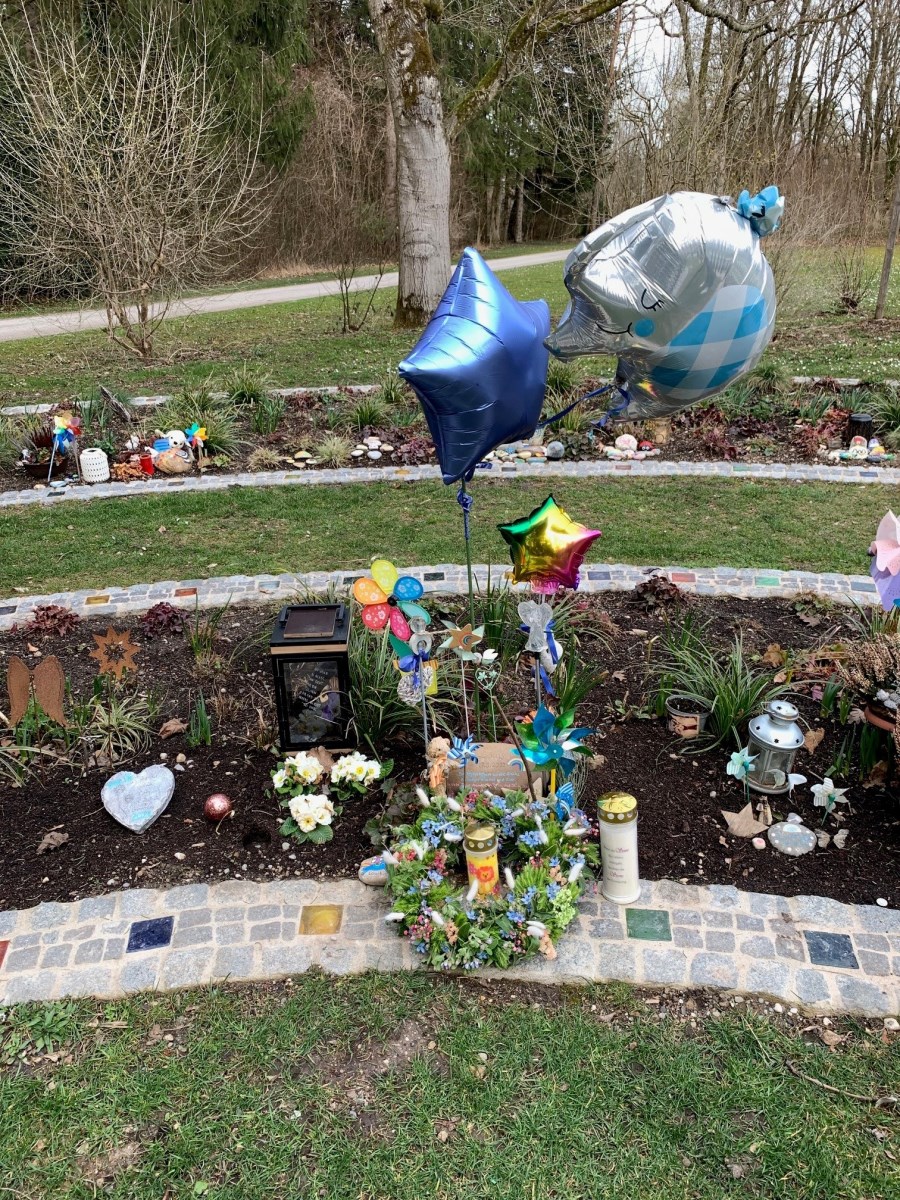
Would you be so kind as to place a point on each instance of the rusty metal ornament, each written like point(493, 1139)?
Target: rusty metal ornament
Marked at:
point(47, 683)
point(115, 652)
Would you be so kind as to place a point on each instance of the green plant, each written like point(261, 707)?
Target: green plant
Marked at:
point(200, 727)
point(393, 390)
point(562, 379)
point(247, 385)
point(369, 412)
point(871, 622)
point(830, 694)
point(202, 633)
point(264, 458)
point(727, 683)
point(214, 413)
point(770, 378)
point(814, 408)
point(38, 1029)
point(268, 413)
point(334, 449)
point(884, 405)
point(573, 680)
point(497, 605)
point(115, 724)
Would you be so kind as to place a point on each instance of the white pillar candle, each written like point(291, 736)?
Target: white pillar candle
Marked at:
point(618, 847)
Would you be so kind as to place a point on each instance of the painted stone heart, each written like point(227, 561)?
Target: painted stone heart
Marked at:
point(135, 801)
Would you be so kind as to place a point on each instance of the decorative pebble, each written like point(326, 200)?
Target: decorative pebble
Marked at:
point(373, 443)
point(386, 449)
point(217, 807)
point(373, 871)
point(881, 902)
point(626, 441)
point(891, 1024)
point(759, 843)
point(792, 838)
point(373, 454)
point(357, 453)
point(303, 454)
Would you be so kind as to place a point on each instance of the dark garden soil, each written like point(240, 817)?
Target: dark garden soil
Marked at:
point(682, 833)
point(784, 434)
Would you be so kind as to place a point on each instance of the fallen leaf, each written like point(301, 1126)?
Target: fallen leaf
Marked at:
point(33, 649)
point(810, 619)
point(840, 838)
point(877, 777)
point(830, 1038)
point(743, 824)
point(52, 841)
point(774, 655)
point(812, 739)
point(619, 676)
point(173, 726)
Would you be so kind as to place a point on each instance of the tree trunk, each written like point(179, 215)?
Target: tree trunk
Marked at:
point(519, 232)
point(893, 226)
point(423, 156)
point(498, 232)
point(390, 167)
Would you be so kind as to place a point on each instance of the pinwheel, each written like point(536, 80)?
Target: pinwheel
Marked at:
point(463, 751)
point(885, 566)
point(537, 622)
point(196, 436)
point(389, 598)
point(552, 742)
point(462, 640)
point(66, 429)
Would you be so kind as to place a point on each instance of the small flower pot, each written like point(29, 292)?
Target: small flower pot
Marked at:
point(686, 717)
point(880, 715)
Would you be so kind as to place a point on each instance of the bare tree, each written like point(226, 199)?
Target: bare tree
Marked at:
point(119, 176)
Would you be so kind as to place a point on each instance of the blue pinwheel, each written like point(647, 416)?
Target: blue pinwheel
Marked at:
point(552, 742)
point(463, 751)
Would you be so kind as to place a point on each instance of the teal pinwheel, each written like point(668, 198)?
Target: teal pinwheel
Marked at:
point(463, 751)
point(552, 742)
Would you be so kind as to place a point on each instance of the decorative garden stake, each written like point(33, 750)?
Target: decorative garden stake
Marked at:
point(826, 795)
point(46, 683)
point(618, 847)
point(463, 752)
point(115, 652)
point(775, 738)
point(310, 665)
point(481, 857)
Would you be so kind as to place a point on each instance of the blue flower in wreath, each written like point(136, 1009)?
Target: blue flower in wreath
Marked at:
point(532, 839)
point(463, 751)
point(552, 742)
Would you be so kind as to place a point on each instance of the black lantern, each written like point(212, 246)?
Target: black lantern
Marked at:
point(310, 662)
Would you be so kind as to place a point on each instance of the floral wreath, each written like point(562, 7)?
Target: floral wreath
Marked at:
point(544, 864)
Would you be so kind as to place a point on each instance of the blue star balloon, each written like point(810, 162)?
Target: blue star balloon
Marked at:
point(480, 367)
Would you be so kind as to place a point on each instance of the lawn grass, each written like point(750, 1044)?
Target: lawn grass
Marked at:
point(300, 343)
point(304, 1091)
point(684, 521)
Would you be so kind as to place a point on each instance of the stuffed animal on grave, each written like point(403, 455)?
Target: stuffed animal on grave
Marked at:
point(437, 758)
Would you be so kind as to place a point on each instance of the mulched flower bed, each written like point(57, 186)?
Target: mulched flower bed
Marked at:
point(682, 834)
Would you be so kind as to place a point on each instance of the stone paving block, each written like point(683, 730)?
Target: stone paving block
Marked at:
point(764, 905)
point(668, 892)
point(8, 921)
point(90, 952)
point(263, 912)
point(230, 935)
point(115, 948)
point(187, 896)
point(87, 981)
point(139, 975)
point(830, 949)
point(56, 956)
point(664, 966)
point(286, 958)
point(361, 931)
point(588, 908)
point(51, 938)
point(616, 960)
point(50, 916)
point(718, 920)
point(195, 936)
point(192, 917)
point(341, 958)
point(873, 941)
point(714, 970)
point(687, 938)
point(139, 902)
point(390, 956)
point(821, 912)
point(97, 908)
point(265, 933)
point(790, 947)
point(39, 985)
point(720, 940)
point(811, 987)
point(80, 933)
point(153, 934)
point(234, 891)
point(685, 916)
point(724, 895)
point(873, 963)
point(234, 962)
point(607, 930)
point(879, 920)
point(292, 891)
point(747, 922)
point(184, 968)
point(768, 978)
point(758, 947)
point(230, 912)
point(25, 959)
point(858, 995)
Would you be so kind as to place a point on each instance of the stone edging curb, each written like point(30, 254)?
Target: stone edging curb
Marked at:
point(647, 469)
point(808, 951)
point(446, 578)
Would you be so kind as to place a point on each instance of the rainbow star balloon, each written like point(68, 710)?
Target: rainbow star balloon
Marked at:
point(547, 547)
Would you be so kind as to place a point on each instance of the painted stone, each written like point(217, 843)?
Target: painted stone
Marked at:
point(373, 871)
point(497, 770)
point(135, 801)
point(791, 837)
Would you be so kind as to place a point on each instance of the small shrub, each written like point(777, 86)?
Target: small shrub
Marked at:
point(268, 413)
point(369, 412)
point(884, 405)
point(393, 390)
point(162, 618)
point(658, 591)
point(264, 458)
point(202, 633)
point(116, 725)
point(334, 450)
point(247, 385)
point(562, 379)
point(52, 620)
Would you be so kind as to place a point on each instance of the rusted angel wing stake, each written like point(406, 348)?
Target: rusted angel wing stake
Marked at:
point(47, 683)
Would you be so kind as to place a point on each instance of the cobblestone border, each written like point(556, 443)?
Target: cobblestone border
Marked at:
point(447, 578)
point(807, 951)
point(589, 469)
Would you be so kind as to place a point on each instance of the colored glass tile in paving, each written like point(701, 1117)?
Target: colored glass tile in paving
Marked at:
point(830, 949)
point(648, 924)
point(767, 581)
point(154, 934)
point(4, 946)
point(319, 919)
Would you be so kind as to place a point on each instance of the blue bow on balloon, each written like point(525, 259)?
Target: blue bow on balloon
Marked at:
point(414, 662)
point(764, 210)
point(480, 367)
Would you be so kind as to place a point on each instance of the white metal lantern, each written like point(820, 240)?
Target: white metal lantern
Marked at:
point(94, 466)
point(775, 738)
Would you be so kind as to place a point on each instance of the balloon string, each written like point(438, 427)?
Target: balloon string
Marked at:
point(465, 502)
point(610, 412)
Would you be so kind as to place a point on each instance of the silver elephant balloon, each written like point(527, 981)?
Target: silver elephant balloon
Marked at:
point(680, 290)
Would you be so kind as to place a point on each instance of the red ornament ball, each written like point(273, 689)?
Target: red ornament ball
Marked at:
point(217, 807)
